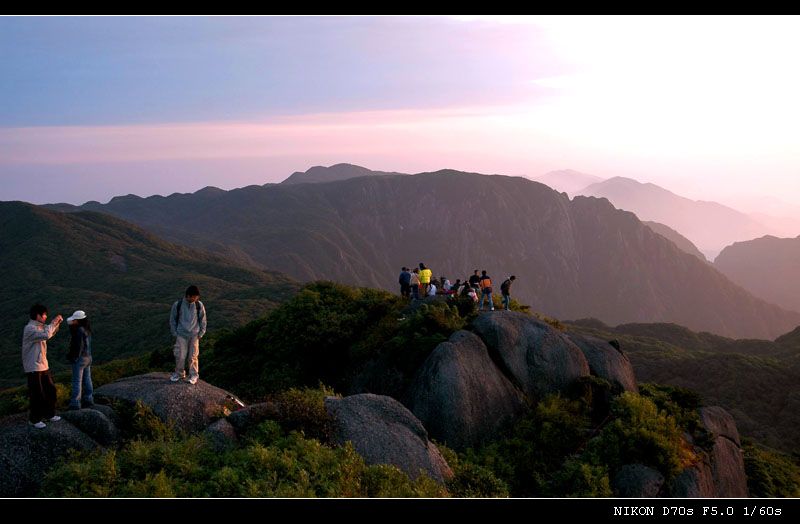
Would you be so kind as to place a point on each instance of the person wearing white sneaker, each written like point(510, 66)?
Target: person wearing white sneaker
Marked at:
point(41, 389)
point(187, 322)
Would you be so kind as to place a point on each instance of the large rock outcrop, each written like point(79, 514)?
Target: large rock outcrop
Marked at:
point(383, 431)
point(727, 460)
point(460, 395)
point(27, 453)
point(538, 358)
point(606, 361)
point(190, 407)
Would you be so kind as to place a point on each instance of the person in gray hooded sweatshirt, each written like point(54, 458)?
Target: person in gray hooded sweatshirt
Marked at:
point(187, 322)
point(41, 389)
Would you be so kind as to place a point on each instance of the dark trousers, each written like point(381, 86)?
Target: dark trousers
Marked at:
point(405, 290)
point(42, 393)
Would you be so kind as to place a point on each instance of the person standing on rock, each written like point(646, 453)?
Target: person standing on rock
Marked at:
point(405, 282)
point(187, 322)
point(80, 357)
point(485, 284)
point(415, 284)
point(41, 388)
point(425, 275)
point(474, 280)
point(505, 290)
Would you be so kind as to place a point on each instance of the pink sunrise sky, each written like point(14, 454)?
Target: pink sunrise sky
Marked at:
point(704, 106)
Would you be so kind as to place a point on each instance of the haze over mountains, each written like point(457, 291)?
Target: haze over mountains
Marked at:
point(573, 258)
point(568, 181)
point(125, 278)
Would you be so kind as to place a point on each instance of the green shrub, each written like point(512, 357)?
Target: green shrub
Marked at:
point(470, 479)
point(770, 473)
point(137, 421)
point(304, 410)
point(268, 463)
point(578, 479)
point(640, 433)
point(536, 447)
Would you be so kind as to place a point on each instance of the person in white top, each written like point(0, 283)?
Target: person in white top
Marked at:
point(41, 388)
point(432, 289)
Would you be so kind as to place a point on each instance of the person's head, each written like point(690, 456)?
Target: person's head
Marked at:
point(421, 265)
point(476, 272)
point(79, 319)
point(404, 268)
point(483, 273)
point(416, 270)
point(512, 277)
point(38, 312)
point(192, 294)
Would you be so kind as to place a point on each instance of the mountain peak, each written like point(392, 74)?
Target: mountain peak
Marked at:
point(319, 174)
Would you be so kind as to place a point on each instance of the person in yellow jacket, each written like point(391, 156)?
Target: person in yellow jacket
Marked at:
point(425, 275)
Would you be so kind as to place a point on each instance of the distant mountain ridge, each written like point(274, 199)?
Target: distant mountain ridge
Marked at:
point(679, 240)
point(333, 173)
point(767, 267)
point(709, 225)
point(573, 258)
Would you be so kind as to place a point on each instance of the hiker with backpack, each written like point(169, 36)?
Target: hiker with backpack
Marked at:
point(505, 290)
point(485, 283)
point(187, 322)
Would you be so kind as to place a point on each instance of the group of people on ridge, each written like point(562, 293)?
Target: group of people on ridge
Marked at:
point(187, 323)
point(420, 282)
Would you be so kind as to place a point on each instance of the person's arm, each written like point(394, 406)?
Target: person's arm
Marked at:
point(173, 326)
point(46, 333)
point(203, 322)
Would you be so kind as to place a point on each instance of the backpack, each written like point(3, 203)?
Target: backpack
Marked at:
point(486, 282)
point(178, 312)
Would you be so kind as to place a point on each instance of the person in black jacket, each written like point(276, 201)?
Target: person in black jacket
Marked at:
point(80, 357)
point(505, 290)
point(405, 283)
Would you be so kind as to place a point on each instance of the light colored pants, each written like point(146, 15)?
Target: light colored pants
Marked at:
point(182, 347)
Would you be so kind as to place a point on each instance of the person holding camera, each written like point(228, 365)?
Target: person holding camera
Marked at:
point(41, 388)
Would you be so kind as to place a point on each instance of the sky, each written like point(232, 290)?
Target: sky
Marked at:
point(94, 107)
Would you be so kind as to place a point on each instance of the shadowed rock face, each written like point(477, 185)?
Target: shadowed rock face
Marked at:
point(221, 434)
point(719, 422)
point(383, 431)
point(459, 394)
point(538, 358)
point(696, 481)
point(606, 361)
point(27, 453)
point(94, 423)
point(190, 407)
point(637, 480)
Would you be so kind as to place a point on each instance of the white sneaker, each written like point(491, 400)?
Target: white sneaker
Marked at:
point(55, 418)
point(40, 424)
point(174, 377)
point(192, 380)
